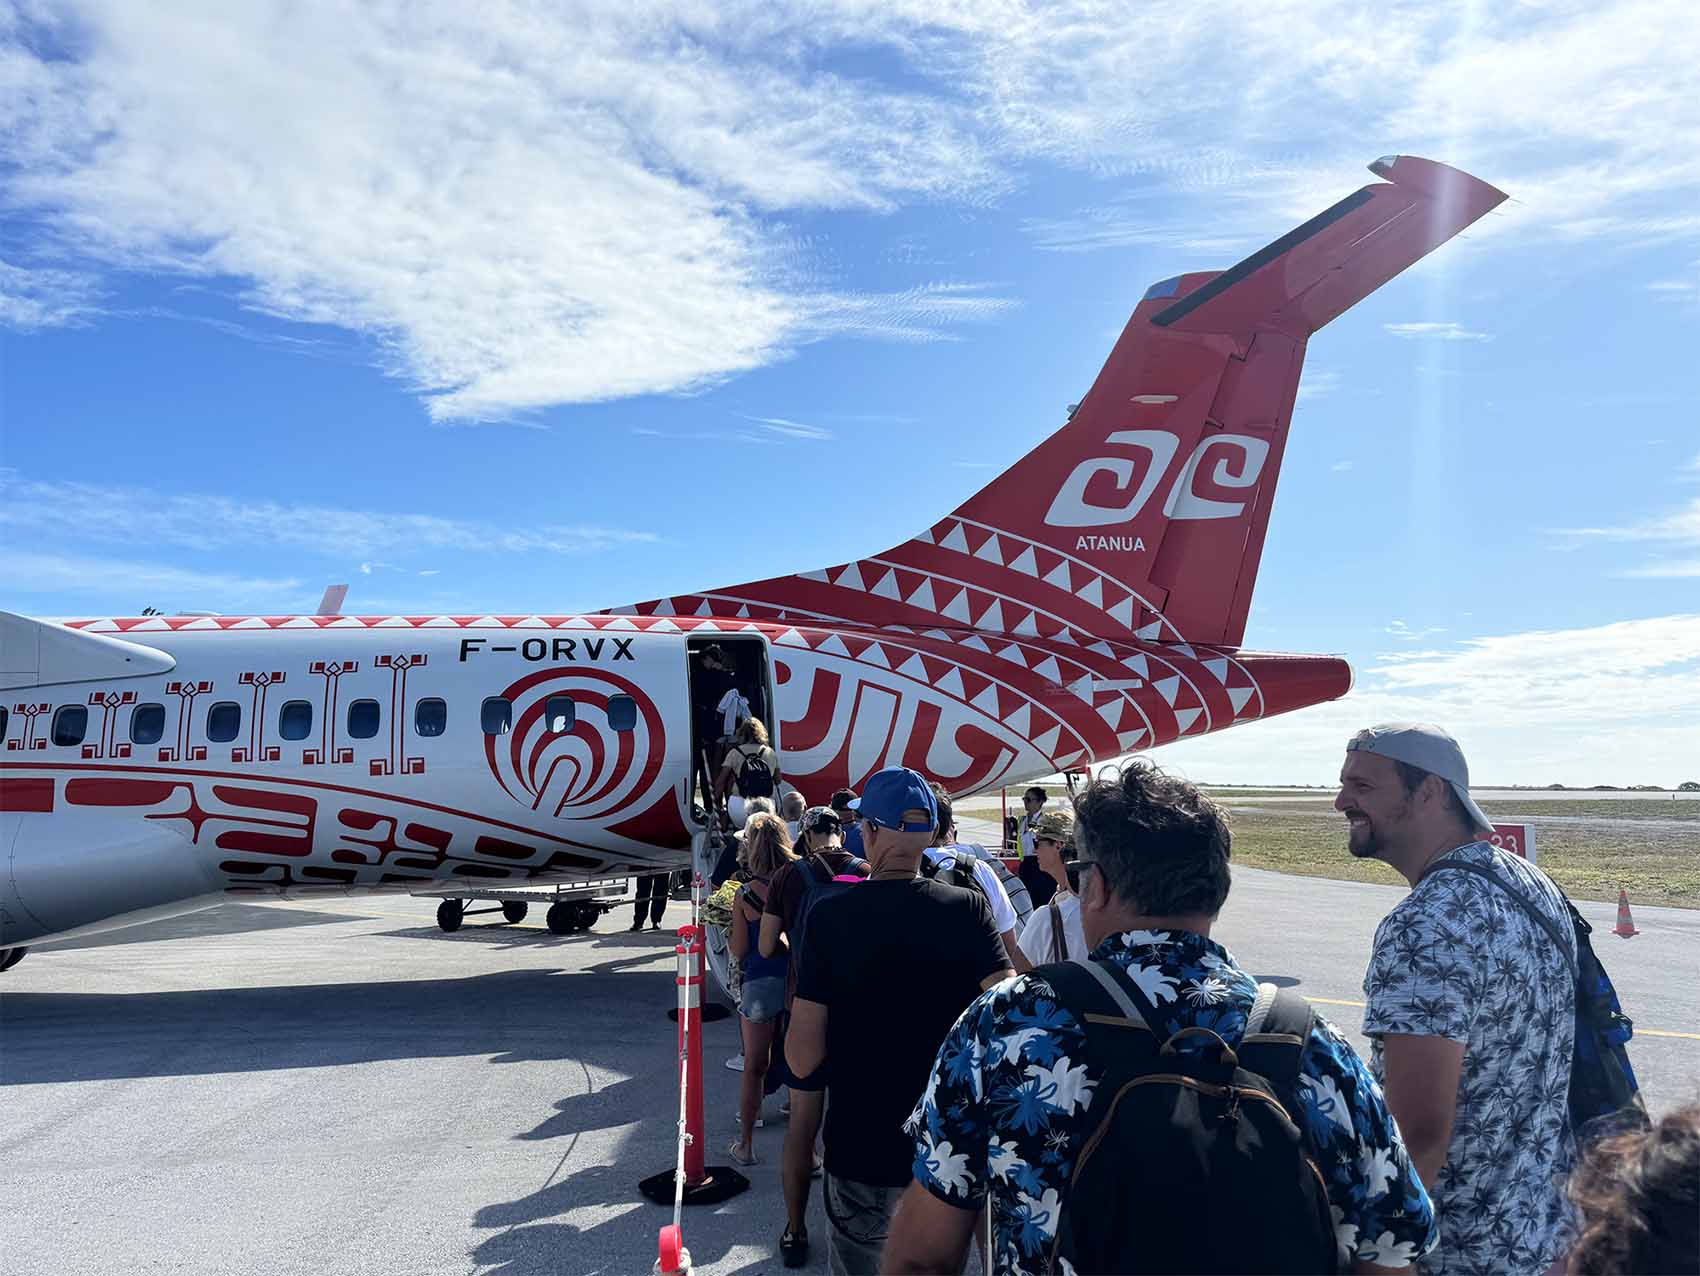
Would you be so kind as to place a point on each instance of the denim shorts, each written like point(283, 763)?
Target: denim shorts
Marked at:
point(762, 999)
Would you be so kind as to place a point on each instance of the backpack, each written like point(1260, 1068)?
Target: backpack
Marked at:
point(755, 777)
point(1020, 899)
point(1178, 1140)
point(957, 871)
point(1604, 1095)
point(1059, 941)
point(819, 884)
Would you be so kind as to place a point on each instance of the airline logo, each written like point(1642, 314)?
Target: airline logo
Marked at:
point(1202, 488)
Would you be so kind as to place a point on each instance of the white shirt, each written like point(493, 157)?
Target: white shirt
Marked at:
point(734, 708)
point(1036, 935)
point(1003, 912)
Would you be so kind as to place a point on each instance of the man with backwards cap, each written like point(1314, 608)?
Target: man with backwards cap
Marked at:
point(888, 967)
point(1470, 1005)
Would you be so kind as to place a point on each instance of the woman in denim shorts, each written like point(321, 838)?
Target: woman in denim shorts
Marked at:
point(767, 845)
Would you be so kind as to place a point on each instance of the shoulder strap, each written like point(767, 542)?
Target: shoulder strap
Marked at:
point(1101, 1007)
point(1059, 944)
point(1546, 923)
point(1276, 1031)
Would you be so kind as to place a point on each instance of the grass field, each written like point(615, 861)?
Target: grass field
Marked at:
point(1591, 847)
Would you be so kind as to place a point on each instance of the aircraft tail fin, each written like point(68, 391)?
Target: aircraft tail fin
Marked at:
point(1144, 515)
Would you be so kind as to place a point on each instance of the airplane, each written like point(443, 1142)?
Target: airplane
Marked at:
point(1090, 602)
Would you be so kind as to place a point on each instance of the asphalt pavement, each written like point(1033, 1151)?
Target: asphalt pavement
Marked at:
point(340, 1086)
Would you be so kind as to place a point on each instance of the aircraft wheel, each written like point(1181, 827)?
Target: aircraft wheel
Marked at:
point(450, 914)
point(10, 957)
point(515, 910)
point(561, 918)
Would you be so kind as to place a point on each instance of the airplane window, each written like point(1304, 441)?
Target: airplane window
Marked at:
point(295, 720)
point(431, 717)
point(224, 720)
point(497, 716)
point(147, 724)
point(558, 714)
point(622, 713)
point(69, 724)
point(363, 719)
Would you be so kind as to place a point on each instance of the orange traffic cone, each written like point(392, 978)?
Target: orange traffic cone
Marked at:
point(1625, 923)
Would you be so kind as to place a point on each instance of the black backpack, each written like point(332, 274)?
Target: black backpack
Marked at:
point(957, 871)
point(755, 777)
point(1604, 1096)
point(1178, 1140)
point(818, 883)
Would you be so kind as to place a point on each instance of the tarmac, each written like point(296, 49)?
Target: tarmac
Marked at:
point(340, 1086)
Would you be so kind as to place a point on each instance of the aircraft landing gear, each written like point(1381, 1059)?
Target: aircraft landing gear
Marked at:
point(450, 913)
point(570, 918)
point(10, 957)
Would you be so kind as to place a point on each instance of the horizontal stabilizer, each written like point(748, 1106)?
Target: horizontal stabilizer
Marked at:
point(1318, 270)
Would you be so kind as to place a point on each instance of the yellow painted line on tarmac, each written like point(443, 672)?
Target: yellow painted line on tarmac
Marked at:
point(1639, 1032)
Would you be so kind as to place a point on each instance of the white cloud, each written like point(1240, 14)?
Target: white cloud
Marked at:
point(791, 429)
point(1340, 467)
point(524, 207)
point(527, 205)
point(140, 584)
point(1609, 704)
point(1677, 532)
point(1404, 633)
point(1447, 331)
point(45, 298)
point(1317, 384)
point(206, 522)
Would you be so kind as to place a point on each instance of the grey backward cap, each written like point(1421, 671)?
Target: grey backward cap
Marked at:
point(1428, 748)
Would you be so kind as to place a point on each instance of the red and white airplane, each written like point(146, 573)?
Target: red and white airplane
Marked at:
point(1088, 603)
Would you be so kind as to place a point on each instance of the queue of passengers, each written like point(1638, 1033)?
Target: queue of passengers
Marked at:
point(1095, 1085)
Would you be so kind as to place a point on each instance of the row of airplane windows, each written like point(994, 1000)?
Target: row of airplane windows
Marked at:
point(295, 719)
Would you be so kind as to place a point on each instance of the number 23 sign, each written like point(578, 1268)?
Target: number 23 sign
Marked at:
point(1519, 839)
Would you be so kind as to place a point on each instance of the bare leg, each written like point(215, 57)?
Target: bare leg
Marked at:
point(807, 1107)
point(758, 1044)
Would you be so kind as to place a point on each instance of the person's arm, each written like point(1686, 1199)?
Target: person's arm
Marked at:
point(927, 1235)
point(1420, 1079)
point(805, 1039)
point(738, 940)
point(770, 941)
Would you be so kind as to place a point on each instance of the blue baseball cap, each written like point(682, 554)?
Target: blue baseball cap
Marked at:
point(891, 792)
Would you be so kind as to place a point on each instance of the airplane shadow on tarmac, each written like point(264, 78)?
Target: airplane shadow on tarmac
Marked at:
point(509, 1015)
point(582, 1020)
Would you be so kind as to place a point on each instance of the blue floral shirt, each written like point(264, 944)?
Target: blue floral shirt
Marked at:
point(1005, 1109)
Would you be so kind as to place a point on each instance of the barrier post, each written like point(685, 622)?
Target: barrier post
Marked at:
point(690, 952)
point(690, 1182)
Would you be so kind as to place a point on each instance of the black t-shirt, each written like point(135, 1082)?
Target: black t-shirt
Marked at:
point(894, 963)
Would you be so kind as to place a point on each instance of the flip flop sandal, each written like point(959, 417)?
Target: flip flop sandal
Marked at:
point(742, 1158)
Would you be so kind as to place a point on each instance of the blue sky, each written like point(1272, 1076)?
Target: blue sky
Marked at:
point(531, 312)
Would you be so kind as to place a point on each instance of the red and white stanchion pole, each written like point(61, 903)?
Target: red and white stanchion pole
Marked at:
point(690, 953)
point(689, 1182)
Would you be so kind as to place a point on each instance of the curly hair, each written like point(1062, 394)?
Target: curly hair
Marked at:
point(765, 846)
point(751, 731)
point(1160, 843)
point(1639, 1194)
